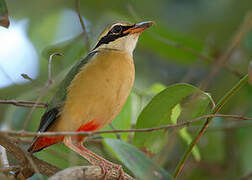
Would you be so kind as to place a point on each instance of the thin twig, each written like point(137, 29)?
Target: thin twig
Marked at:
point(85, 35)
point(179, 125)
point(28, 104)
point(49, 81)
point(117, 135)
point(44, 90)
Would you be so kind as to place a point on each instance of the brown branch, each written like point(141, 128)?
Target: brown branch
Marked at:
point(23, 157)
point(88, 172)
point(179, 125)
point(85, 35)
point(28, 104)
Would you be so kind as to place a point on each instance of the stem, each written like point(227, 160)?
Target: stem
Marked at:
point(219, 105)
point(85, 34)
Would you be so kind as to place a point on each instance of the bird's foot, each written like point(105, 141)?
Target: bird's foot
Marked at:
point(104, 170)
point(120, 169)
point(108, 167)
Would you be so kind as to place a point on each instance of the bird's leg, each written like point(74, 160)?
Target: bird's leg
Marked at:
point(102, 160)
point(73, 144)
point(93, 158)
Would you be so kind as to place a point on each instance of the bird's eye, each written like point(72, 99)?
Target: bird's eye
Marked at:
point(116, 29)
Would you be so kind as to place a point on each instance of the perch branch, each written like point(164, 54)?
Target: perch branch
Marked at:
point(88, 172)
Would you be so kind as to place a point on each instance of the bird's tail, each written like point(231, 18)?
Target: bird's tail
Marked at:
point(40, 143)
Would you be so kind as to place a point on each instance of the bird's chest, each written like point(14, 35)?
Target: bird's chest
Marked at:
point(100, 89)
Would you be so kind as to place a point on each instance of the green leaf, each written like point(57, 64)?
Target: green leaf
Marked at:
point(140, 165)
point(122, 121)
point(159, 112)
point(4, 19)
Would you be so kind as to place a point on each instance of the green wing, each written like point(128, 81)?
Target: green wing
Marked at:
point(52, 112)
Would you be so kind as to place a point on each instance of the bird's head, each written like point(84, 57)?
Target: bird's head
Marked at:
point(121, 36)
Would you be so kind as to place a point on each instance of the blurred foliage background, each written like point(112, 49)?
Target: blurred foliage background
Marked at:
point(206, 27)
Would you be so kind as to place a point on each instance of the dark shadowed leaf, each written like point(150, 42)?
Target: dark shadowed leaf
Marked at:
point(140, 165)
point(4, 19)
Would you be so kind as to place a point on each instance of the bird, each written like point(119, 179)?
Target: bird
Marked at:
point(93, 92)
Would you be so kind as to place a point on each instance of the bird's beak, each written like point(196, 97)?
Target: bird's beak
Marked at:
point(138, 28)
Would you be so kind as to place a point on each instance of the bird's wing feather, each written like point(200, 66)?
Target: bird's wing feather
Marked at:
point(55, 106)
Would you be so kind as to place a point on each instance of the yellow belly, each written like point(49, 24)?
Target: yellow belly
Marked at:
point(98, 92)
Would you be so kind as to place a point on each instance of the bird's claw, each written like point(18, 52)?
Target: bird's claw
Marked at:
point(122, 174)
point(107, 168)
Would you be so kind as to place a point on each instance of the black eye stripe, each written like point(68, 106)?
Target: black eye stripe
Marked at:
point(111, 35)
